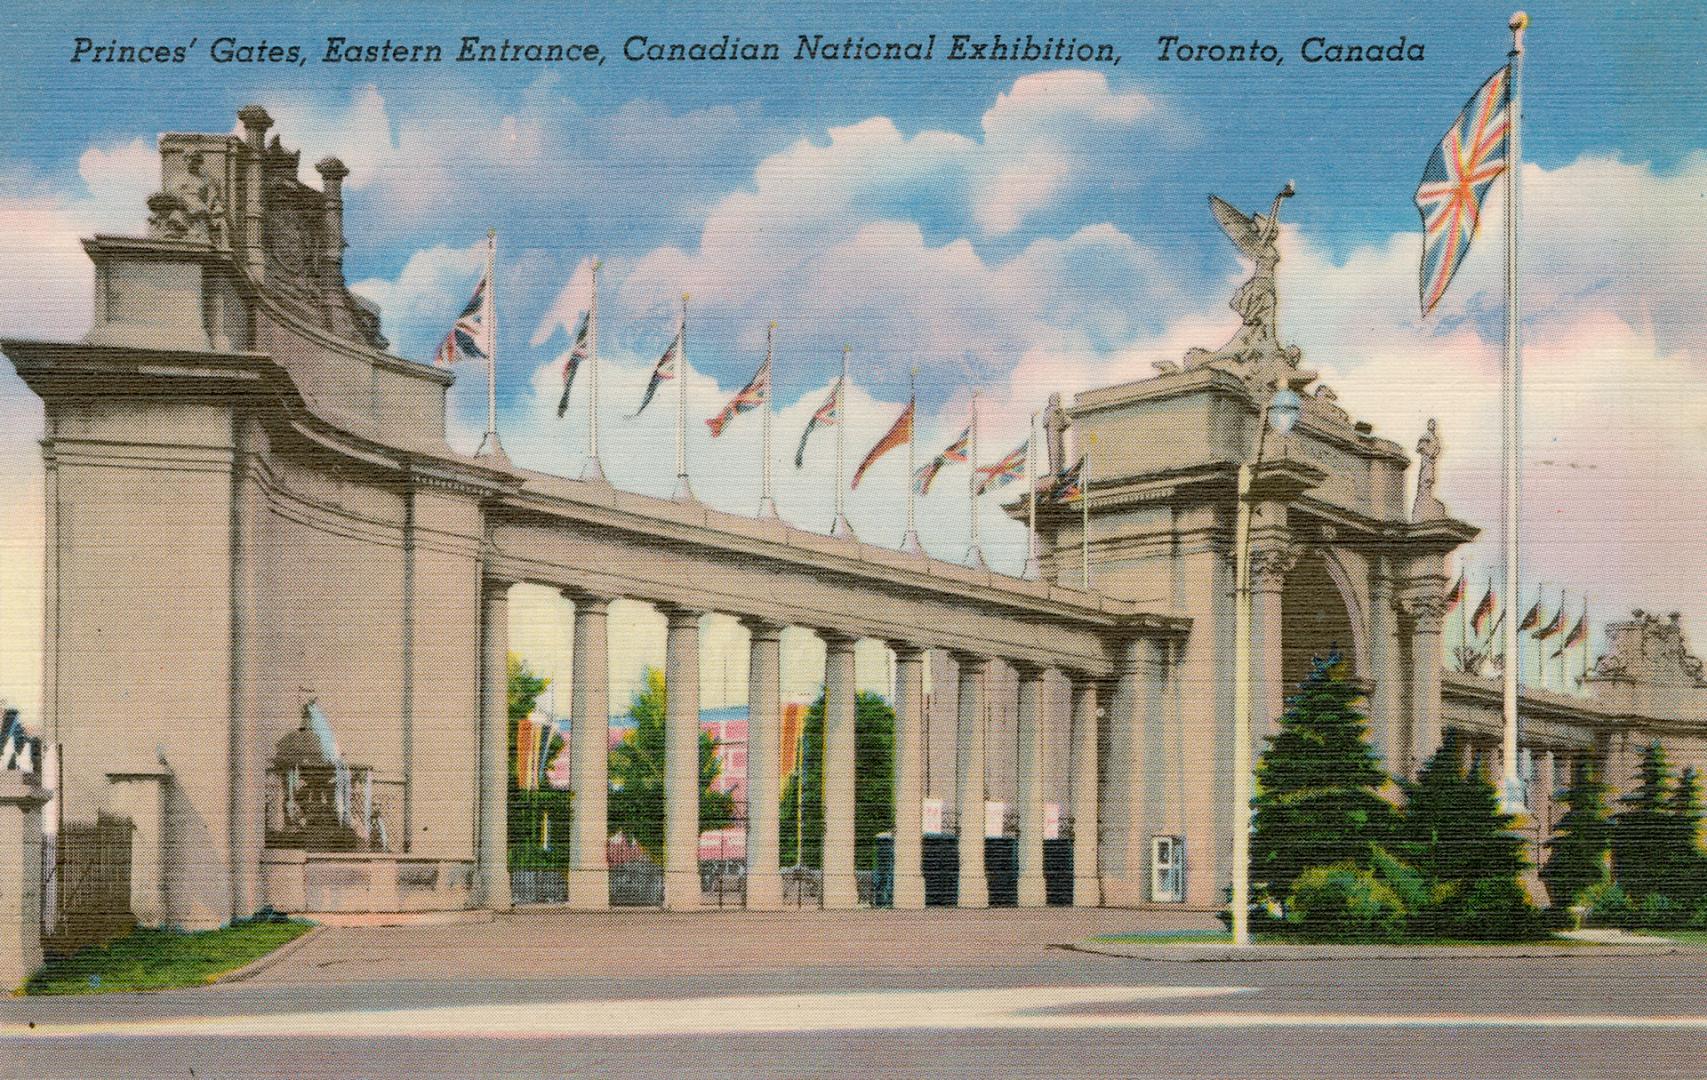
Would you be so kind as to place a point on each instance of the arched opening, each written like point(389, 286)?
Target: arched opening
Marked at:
point(1316, 620)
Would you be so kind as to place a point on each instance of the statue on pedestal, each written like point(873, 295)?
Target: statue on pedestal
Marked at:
point(1055, 425)
point(1427, 507)
point(1255, 352)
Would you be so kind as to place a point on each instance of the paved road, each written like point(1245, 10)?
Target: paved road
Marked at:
point(868, 993)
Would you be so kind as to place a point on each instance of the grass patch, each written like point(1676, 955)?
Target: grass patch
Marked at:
point(1682, 937)
point(1169, 937)
point(1213, 937)
point(163, 959)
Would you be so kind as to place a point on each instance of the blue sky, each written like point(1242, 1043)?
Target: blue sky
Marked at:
point(1014, 228)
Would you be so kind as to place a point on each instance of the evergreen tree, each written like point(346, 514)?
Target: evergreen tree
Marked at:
point(1578, 851)
point(636, 807)
point(1686, 876)
point(1318, 798)
point(1640, 832)
point(1466, 849)
point(874, 782)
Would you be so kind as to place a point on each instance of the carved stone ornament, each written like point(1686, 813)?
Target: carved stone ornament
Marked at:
point(1269, 567)
point(1426, 610)
point(1427, 507)
point(1254, 353)
point(1651, 650)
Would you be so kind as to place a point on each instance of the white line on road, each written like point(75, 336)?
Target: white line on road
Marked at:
point(1019, 1008)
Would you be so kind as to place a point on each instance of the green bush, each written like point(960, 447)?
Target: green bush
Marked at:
point(1608, 905)
point(1343, 902)
point(1660, 912)
point(1698, 921)
point(1496, 909)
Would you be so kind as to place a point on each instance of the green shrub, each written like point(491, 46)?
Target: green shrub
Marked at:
point(1660, 912)
point(1698, 921)
point(1608, 905)
point(1496, 909)
point(1342, 902)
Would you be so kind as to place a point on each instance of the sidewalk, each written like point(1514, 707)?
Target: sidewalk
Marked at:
point(1581, 945)
point(549, 943)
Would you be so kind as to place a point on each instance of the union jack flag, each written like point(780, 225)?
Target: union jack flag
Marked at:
point(1070, 485)
point(1455, 181)
point(664, 369)
point(754, 394)
point(925, 474)
point(828, 413)
point(957, 450)
point(572, 363)
point(1005, 471)
point(467, 339)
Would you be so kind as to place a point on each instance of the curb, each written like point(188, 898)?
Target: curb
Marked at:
point(262, 963)
point(1270, 954)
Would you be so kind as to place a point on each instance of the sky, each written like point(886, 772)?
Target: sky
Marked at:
point(1011, 229)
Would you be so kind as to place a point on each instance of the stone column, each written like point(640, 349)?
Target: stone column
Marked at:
point(589, 754)
point(1028, 763)
point(1386, 714)
point(764, 750)
point(909, 776)
point(492, 849)
point(841, 887)
point(1269, 567)
point(255, 124)
point(969, 780)
point(21, 800)
point(681, 760)
point(1087, 882)
point(1427, 611)
point(249, 750)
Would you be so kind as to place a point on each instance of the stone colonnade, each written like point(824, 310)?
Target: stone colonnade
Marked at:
point(588, 874)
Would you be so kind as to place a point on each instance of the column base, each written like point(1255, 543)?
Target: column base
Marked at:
point(681, 890)
point(973, 892)
point(495, 892)
point(1087, 892)
point(589, 889)
point(1033, 893)
point(841, 892)
point(764, 892)
point(909, 892)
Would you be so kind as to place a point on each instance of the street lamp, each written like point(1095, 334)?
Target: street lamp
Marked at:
point(1281, 416)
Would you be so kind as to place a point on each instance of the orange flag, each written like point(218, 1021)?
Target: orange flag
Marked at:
point(898, 436)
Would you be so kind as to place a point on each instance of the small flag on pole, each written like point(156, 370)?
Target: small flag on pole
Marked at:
point(1556, 624)
point(926, 474)
point(467, 339)
point(1483, 611)
point(1578, 634)
point(1070, 485)
point(1455, 595)
point(572, 363)
point(1005, 471)
point(1533, 619)
point(957, 450)
point(664, 369)
point(754, 394)
point(897, 436)
point(828, 414)
point(1456, 180)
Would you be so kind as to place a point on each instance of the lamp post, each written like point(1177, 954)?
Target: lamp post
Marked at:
point(1282, 413)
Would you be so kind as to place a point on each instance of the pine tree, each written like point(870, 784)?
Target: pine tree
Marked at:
point(1466, 849)
point(1318, 797)
point(1578, 851)
point(1640, 857)
point(1686, 869)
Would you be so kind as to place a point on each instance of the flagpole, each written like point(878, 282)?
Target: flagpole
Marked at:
point(684, 490)
point(1085, 510)
point(840, 528)
point(489, 444)
point(975, 552)
point(1512, 389)
point(593, 469)
point(910, 539)
point(767, 504)
point(1033, 567)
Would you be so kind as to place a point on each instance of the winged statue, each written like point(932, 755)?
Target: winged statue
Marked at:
point(1258, 339)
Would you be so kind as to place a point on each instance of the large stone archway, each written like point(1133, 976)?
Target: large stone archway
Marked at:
point(1317, 619)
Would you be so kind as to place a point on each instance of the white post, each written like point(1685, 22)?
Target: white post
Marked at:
point(1085, 510)
point(840, 528)
point(974, 553)
point(1033, 566)
point(1241, 899)
point(489, 445)
point(1511, 413)
point(910, 539)
point(684, 491)
point(767, 504)
point(593, 470)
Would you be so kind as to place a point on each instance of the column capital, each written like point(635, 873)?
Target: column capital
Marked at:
point(1269, 567)
point(836, 639)
point(496, 583)
point(597, 599)
point(1081, 679)
point(906, 650)
point(962, 658)
point(1425, 607)
point(762, 629)
point(1026, 671)
point(677, 615)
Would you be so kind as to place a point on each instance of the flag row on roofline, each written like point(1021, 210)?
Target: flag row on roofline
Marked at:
point(473, 338)
point(1557, 629)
